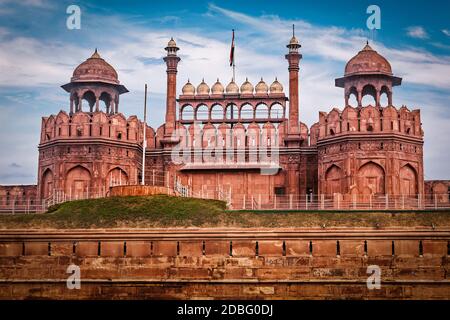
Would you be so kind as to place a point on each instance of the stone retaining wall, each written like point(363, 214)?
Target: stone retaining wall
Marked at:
point(414, 265)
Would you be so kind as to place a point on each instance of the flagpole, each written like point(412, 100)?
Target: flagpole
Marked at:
point(144, 143)
point(232, 57)
point(234, 71)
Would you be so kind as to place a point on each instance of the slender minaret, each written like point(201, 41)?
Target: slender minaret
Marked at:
point(293, 57)
point(171, 60)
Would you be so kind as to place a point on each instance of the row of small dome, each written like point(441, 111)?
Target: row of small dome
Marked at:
point(232, 88)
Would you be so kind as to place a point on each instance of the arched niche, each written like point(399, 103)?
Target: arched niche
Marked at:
point(371, 179)
point(116, 177)
point(47, 184)
point(78, 182)
point(333, 180)
point(408, 181)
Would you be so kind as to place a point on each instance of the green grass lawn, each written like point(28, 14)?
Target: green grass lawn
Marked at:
point(168, 211)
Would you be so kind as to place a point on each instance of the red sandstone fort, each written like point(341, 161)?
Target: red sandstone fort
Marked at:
point(362, 153)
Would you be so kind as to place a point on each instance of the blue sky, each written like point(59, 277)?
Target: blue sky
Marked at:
point(38, 54)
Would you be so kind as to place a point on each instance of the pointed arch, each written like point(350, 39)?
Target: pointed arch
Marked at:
point(47, 184)
point(371, 178)
point(78, 182)
point(187, 112)
point(408, 180)
point(116, 177)
point(334, 180)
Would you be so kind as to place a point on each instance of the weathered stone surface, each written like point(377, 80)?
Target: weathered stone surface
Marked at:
point(62, 248)
point(217, 247)
point(297, 248)
point(324, 248)
point(138, 249)
point(112, 249)
point(434, 248)
point(11, 249)
point(165, 248)
point(379, 248)
point(86, 248)
point(243, 248)
point(407, 248)
point(190, 274)
point(270, 248)
point(36, 248)
point(191, 248)
point(351, 248)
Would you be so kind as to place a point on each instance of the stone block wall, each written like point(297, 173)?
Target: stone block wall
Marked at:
point(132, 265)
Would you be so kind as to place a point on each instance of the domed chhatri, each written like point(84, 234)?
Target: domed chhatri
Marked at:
point(95, 69)
point(261, 87)
point(368, 73)
point(232, 88)
point(276, 87)
point(203, 88)
point(368, 61)
point(246, 87)
point(188, 89)
point(217, 88)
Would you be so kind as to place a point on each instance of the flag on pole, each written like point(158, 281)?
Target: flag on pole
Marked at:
point(232, 51)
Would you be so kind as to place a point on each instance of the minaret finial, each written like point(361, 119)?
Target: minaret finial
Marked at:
point(293, 30)
point(367, 42)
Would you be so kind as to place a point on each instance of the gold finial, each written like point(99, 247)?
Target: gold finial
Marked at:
point(95, 54)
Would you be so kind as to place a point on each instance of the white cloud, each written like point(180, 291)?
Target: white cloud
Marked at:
point(417, 32)
point(446, 32)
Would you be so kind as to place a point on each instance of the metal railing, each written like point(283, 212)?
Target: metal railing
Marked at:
point(339, 202)
point(322, 201)
point(252, 201)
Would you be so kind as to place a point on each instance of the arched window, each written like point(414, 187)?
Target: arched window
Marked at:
point(105, 98)
point(232, 112)
point(384, 96)
point(202, 112)
point(262, 111)
point(217, 112)
point(368, 95)
point(246, 111)
point(187, 112)
point(353, 97)
point(276, 111)
point(89, 97)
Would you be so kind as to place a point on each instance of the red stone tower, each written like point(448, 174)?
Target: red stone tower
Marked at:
point(293, 58)
point(171, 60)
